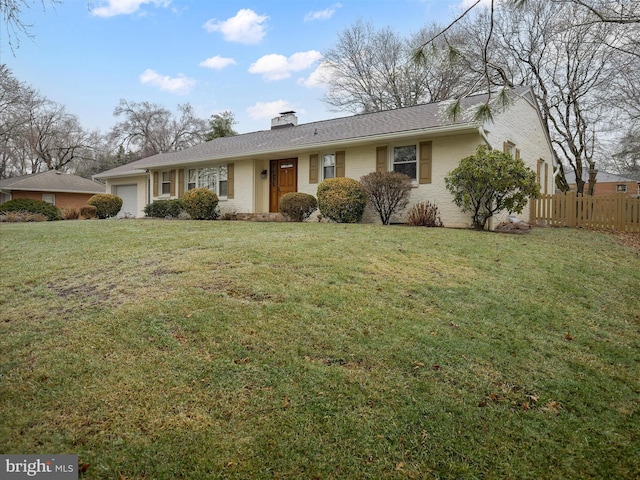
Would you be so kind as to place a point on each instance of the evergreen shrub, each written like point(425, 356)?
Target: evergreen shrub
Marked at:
point(29, 205)
point(164, 208)
point(297, 206)
point(201, 204)
point(342, 199)
point(107, 205)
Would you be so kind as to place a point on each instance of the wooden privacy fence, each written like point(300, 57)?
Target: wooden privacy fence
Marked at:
point(613, 212)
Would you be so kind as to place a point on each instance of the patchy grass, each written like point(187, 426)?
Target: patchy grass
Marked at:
point(157, 349)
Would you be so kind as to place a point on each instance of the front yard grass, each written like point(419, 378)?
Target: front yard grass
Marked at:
point(196, 350)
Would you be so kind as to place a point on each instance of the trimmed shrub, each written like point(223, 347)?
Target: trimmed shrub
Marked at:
point(70, 213)
point(297, 206)
point(387, 192)
point(342, 200)
point(424, 214)
point(27, 205)
point(201, 204)
point(164, 209)
point(107, 205)
point(17, 217)
point(88, 211)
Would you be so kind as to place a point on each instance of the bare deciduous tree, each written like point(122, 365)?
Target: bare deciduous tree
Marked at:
point(55, 137)
point(372, 69)
point(149, 128)
point(11, 17)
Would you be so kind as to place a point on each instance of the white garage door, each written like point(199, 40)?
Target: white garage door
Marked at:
point(129, 196)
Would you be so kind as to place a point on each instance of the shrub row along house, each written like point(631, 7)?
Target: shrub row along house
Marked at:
point(251, 172)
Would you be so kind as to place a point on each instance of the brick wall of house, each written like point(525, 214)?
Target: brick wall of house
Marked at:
point(609, 188)
point(62, 199)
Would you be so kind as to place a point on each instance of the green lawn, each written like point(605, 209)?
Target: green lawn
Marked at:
point(197, 350)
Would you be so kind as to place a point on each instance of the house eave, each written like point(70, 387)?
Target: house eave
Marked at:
point(51, 190)
point(132, 173)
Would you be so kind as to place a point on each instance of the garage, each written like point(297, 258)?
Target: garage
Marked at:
point(129, 196)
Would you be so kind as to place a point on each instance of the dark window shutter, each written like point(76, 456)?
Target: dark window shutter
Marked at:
point(340, 168)
point(156, 179)
point(172, 186)
point(381, 159)
point(517, 154)
point(313, 168)
point(425, 162)
point(180, 183)
point(505, 147)
point(230, 180)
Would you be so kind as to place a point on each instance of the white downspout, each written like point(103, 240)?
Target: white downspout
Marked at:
point(483, 134)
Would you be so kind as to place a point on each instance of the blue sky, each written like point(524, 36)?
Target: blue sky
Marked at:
point(255, 58)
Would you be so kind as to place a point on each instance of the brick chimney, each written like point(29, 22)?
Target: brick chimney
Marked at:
point(286, 119)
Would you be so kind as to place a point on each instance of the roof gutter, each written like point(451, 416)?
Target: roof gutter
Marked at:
point(132, 173)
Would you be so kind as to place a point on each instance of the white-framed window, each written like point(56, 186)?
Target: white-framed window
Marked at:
point(192, 178)
point(165, 183)
point(49, 198)
point(328, 166)
point(212, 178)
point(621, 188)
point(405, 160)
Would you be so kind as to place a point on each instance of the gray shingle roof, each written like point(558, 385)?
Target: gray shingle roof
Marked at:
point(306, 136)
point(52, 181)
point(602, 177)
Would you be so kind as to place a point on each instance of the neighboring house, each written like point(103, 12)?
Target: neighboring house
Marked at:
point(251, 172)
point(58, 188)
point(606, 184)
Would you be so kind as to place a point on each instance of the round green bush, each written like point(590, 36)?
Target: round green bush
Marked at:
point(342, 200)
point(297, 206)
point(107, 205)
point(164, 208)
point(32, 206)
point(201, 204)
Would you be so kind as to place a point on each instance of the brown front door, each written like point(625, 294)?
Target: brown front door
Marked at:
point(284, 179)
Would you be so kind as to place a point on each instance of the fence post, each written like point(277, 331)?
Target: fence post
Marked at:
point(570, 199)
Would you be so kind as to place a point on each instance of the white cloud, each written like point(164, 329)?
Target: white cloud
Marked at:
point(262, 110)
point(467, 3)
point(320, 77)
point(322, 14)
point(125, 7)
point(217, 62)
point(180, 84)
point(246, 27)
point(278, 67)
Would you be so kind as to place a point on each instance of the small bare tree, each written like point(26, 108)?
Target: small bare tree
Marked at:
point(387, 192)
